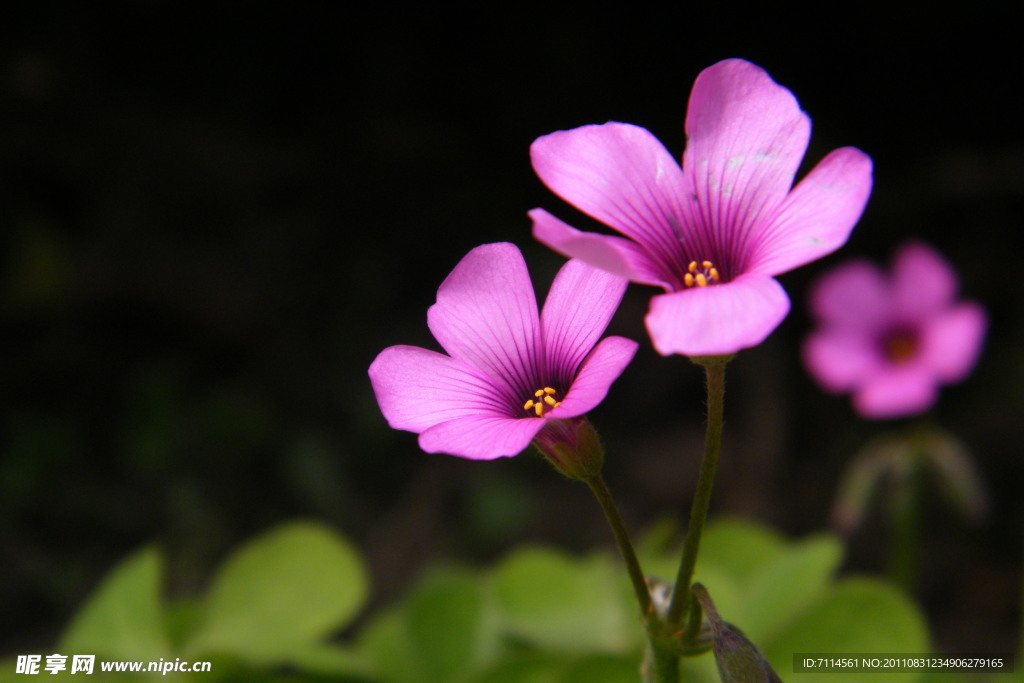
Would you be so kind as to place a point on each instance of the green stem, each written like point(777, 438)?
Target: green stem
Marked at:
point(682, 601)
point(661, 666)
point(611, 513)
point(903, 552)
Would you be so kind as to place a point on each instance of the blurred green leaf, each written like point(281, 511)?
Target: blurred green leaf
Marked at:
point(536, 667)
point(331, 661)
point(857, 615)
point(602, 669)
point(386, 645)
point(123, 619)
point(658, 548)
point(280, 593)
point(739, 547)
point(526, 667)
point(451, 630)
point(563, 603)
point(792, 581)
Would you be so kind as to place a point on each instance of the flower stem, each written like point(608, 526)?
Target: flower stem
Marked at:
point(904, 544)
point(682, 602)
point(611, 513)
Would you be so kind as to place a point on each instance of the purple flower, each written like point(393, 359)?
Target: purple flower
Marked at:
point(508, 372)
point(891, 339)
point(714, 232)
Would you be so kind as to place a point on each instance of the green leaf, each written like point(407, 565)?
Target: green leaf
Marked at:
point(331, 660)
point(525, 667)
point(781, 589)
point(603, 669)
point(386, 645)
point(537, 667)
point(659, 547)
point(739, 547)
point(123, 619)
point(451, 631)
point(557, 602)
point(281, 593)
point(857, 615)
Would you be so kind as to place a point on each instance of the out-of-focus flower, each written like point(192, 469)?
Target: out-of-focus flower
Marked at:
point(509, 372)
point(714, 232)
point(892, 339)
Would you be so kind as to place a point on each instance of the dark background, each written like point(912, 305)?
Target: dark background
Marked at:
point(213, 219)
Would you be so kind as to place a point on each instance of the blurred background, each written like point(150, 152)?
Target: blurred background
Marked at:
point(212, 220)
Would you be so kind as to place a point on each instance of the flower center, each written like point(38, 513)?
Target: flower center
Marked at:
point(700, 274)
point(899, 346)
point(543, 400)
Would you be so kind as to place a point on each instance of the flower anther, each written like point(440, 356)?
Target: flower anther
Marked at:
point(700, 274)
point(542, 401)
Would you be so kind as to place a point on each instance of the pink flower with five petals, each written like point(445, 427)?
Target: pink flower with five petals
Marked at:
point(509, 372)
point(714, 232)
point(892, 339)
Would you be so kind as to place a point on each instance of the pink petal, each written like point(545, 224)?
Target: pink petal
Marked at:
point(486, 315)
point(818, 215)
point(717, 319)
point(896, 392)
point(745, 138)
point(481, 437)
point(922, 281)
point(602, 367)
point(579, 306)
point(951, 341)
point(614, 254)
point(853, 295)
point(619, 174)
point(417, 388)
point(840, 361)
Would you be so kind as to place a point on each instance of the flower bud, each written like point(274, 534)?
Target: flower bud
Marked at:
point(738, 660)
point(572, 446)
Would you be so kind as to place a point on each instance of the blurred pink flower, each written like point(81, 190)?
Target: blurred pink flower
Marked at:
point(715, 232)
point(891, 339)
point(508, 372)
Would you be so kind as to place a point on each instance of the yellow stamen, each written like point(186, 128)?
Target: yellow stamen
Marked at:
point(700, 274)
point(544, 400)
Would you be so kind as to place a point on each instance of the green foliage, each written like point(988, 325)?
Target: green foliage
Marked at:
point(275, 601)
point(568, 604)
point(550, 617)
point(124, 618)
point(451, 628)
point(860, 615)
point(539, 615)
point(288, 588)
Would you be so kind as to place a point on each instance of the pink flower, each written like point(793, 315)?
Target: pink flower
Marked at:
point(508, 372)
point(892, 339)
point(716, 231)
